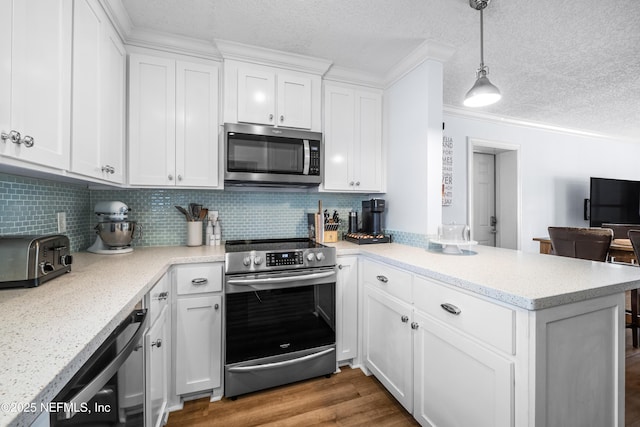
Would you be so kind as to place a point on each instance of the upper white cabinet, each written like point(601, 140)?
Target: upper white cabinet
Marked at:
point(173, 122)
point(353, 139)
point(99, 70)
point(272, 96)
point(35, 81)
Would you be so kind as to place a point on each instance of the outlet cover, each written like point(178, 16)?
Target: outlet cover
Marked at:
point(62, 222)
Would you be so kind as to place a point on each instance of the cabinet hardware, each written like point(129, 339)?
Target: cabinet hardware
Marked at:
point(216, 306)
point(382, 279)
point(108, 169)
point(270, 117)
point(351, 183)
point(340, 266)
point(450, 308)
point(163, 296)
point(28, 141)
point(157, 343)
point(357, 183)
point(414, 325)
point(170, 177)
point(404, 319)
point(281, 119)
point(200, 281)
point(179, 177)
point(13, 136)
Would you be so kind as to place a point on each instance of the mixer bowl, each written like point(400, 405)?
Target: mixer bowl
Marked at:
point(118, 234)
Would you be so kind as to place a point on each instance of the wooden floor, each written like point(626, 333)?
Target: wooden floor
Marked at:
point(347, 399)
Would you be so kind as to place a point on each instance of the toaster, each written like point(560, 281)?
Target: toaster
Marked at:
point(29, 261)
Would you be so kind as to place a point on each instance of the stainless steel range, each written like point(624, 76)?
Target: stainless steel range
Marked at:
point(280, 313)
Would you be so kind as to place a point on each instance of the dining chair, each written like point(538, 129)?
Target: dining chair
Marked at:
point(620, 231)
point(634, 324)
point(584, 243)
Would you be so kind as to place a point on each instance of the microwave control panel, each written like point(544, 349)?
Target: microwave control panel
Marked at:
point(314, 162)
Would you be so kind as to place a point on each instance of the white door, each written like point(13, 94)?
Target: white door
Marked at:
point(339, 122)
point(294, 101)
point(6, 15)
point(347, 308)
point(368, 142)
point(387, 343)
point(256, 96)
point(484, 199)
point(198, 344)
point(196, 125)
point(152, 120)
point(457, 381)
point(157, 348)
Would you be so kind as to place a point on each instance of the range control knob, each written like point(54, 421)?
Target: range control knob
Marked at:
point(311, 257)
point(319, 256)
point(257, 260)
point(247, 261)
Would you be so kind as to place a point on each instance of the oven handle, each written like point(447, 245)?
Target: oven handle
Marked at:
point(284, 363)
point(99, 381)
point(277, 280)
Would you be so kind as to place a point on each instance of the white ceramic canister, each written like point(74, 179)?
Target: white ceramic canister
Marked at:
point(194, 233)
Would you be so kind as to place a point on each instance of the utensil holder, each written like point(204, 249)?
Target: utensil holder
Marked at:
point(194, 233)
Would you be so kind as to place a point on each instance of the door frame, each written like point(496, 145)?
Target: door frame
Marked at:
point(478, 145)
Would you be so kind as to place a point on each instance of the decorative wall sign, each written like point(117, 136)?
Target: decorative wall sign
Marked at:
point(447, 170)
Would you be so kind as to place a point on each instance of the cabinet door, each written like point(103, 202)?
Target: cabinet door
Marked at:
point(347, 308)
point(387, 343)
point(339, 122)
point(196, 125)
point(152, 104)
point(156, 345)
point(6, 14)
point(457, 381)
point(294, 101)
point(256, 96)
point(198, 343)
point(368, 172)
point(98, 95)
point(41, 80)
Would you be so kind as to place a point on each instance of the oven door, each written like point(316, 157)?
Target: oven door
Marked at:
point(280, 328)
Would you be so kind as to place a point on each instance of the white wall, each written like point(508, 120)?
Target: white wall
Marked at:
point(555, 171)
point(413, 132)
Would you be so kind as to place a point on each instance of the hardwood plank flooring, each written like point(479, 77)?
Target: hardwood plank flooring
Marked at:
point(346, 399)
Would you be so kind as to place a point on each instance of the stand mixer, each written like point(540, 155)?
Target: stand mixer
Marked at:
point(114, 231)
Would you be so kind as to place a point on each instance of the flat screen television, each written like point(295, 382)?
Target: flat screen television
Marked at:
point(614, 201)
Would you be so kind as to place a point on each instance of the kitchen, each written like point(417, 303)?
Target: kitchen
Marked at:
point(264, 214)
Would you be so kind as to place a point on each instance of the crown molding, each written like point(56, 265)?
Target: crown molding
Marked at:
point(493, 118)
point(270, 57)
point(428, 50)
point(118, 16)
point(348, 75)
point(173, 43)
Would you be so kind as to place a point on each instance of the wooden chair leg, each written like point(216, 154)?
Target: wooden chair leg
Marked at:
point(634, 317)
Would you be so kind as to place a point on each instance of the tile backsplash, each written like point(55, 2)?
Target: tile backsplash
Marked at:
point(30, 205)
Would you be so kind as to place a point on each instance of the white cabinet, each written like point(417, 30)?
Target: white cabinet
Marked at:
point(457, 381)
point(99, 68)
point(173, 122)
point(35, 81)
point(347, 308)
point(198, 328)
point(271, 96)
point(157, 348)
point(387, 343)
point(353, 139)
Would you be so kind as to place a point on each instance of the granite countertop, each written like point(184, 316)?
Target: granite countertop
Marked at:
point(48, 332)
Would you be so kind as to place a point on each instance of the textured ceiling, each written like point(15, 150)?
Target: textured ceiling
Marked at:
point(573, 64)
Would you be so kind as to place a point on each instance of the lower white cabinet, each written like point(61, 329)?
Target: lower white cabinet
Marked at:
point(457, 381)
point(347, 308)
point(198, 328)
point(157, 358)
point(387, 343)
point(198, 343)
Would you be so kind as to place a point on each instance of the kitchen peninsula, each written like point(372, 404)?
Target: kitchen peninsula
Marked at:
point(554, 326)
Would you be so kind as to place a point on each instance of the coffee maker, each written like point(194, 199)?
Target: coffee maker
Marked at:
point(372, 211)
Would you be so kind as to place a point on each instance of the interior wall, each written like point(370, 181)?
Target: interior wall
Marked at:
point(555, 171)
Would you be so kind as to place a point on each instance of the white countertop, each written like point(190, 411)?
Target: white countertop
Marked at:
point(48, 332)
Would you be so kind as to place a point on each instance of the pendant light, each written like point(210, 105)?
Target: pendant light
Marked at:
point(483, 92)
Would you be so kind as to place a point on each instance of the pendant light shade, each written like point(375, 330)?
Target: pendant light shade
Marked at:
point(483, 91)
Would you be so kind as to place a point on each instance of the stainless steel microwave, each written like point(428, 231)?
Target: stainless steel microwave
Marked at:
point(269, 156)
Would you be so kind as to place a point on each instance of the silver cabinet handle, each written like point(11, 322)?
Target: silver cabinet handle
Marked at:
point(404, 319)
point(170, 177)
point(179, 177)
point(108, 169)
point(270, 117)
point(450, 308)
point(281, 119)
point(351, 183)
point(200, 281)
point(357, 183)
point(13, 136)
point(382, 279)
point(414, 325)
point(216, 306)
point(340, 267)
point(162, 296)
point(157, 343)
point(28, 141)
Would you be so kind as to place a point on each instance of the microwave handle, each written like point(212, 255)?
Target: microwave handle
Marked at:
point(307, 157)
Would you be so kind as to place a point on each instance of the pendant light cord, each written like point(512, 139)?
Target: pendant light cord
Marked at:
point(481, 40)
